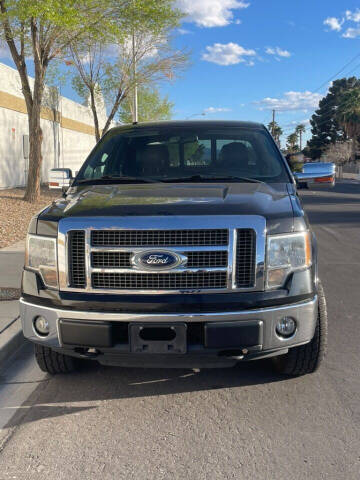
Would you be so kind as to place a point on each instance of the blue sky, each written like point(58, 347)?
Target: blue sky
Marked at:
point(288, 48)
point(249, 56)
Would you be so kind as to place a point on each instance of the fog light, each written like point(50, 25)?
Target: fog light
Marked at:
point(41, 326)
point(286, 327)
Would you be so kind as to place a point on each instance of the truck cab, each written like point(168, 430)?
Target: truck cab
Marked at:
point(178, 244)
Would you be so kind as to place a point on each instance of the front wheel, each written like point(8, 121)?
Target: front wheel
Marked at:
point(307, 358)
point(53, 362)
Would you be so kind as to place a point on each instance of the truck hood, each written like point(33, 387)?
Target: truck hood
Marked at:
point(270, 201)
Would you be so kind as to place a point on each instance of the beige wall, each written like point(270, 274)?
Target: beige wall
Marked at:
point(68, 132)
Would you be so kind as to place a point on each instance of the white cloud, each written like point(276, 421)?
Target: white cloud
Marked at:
point(352, 33)
point(333, 23)
point(291, 101)
point(210, 13)
point(278, 51)
point(227, 54)
point(301, 122)
point(183, 31)
point(350, 16)
point(211, 110)
point(353, 16)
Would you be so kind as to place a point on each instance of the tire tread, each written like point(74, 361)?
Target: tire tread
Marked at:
point(307, 358)
point(53, 362)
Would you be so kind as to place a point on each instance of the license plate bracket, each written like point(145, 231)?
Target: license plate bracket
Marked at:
point(150, 338)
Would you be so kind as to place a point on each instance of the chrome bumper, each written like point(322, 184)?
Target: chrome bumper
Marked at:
point(305, 315)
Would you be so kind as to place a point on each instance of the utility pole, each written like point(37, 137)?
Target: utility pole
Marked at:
point(300, 135)
point(135, 105)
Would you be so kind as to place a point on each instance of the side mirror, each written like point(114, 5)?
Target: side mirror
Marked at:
point(63, 191)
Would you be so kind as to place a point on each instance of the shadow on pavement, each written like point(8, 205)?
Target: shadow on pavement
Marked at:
point(94, 383)
point(335, 217)
point(328, 199)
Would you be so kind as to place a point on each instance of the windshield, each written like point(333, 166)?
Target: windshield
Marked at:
point(198, 154)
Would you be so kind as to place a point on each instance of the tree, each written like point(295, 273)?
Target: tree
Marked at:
point(276, 131)
point(348, 115)
point(41, 31)
point(299, 130)
point(325, 125)
point(151, 107)
point(291, 143)
point(338, 152)
point(106, 67)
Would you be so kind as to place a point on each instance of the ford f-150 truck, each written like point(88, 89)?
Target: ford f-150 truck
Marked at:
point(178, 244)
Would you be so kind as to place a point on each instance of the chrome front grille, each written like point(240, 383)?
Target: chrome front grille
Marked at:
point(99, 257)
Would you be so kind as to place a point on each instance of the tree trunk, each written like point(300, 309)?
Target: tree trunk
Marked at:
point(32, 192)
point(95, 116)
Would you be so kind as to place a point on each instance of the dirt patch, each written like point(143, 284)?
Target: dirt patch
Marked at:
point(15, 214)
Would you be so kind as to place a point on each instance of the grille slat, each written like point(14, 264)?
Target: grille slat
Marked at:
point(159, 281)
point(207, 259)
point(195, 259)
point(111, 259)
point(77, 271)
point(159, 238)
point(245, 258)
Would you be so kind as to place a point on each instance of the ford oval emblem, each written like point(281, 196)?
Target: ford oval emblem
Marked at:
point(157, 260)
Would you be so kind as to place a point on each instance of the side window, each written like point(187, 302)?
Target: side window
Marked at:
point(197, 153)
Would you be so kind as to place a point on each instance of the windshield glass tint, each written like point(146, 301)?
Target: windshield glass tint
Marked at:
point(167, 154)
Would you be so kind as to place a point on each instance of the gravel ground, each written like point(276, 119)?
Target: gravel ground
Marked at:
point(15, 214)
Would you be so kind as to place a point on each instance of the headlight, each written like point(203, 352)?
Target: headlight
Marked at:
point(286, 254)
point(40, 256)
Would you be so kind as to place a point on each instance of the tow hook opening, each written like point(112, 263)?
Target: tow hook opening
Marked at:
point(88, 352)
point(239, 353)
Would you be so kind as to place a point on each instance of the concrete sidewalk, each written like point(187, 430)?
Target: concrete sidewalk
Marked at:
point(11, 265)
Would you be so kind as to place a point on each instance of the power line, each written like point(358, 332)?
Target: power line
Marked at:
point(329, 80)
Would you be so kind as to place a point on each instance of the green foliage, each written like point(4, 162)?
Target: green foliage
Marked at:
point(326, 128)
point(150, 105)
point(105, 67)
point(276, 131)
point(291, 143)
point(348, 112)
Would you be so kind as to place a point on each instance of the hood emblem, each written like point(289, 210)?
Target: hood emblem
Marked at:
point(157, 260)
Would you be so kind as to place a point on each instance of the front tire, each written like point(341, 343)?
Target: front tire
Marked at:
point(53, 362)
point(307, 358)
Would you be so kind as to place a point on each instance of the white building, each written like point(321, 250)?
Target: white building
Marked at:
point(68, 131)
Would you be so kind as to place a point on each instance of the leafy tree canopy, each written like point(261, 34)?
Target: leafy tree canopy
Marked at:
point(325, 125)
point(150, 104)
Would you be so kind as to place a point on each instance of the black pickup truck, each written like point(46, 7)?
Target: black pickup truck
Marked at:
point(178, 244)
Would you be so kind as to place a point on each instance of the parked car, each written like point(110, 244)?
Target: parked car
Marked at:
point(317, 174)
point(59, 178)
point(178, 244)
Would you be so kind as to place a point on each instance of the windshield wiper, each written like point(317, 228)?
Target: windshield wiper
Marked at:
point(117, 179)
point(223, 178)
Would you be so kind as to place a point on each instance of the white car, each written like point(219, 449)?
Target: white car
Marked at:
point(59, 178)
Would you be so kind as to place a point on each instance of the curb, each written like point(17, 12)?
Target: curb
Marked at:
point(11, 339)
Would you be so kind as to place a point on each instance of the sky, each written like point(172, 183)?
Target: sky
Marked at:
point(251, 56)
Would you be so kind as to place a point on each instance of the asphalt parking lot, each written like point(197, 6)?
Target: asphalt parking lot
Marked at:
point(240, 423)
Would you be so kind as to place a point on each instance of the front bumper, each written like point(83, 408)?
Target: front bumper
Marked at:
point(198, 354)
